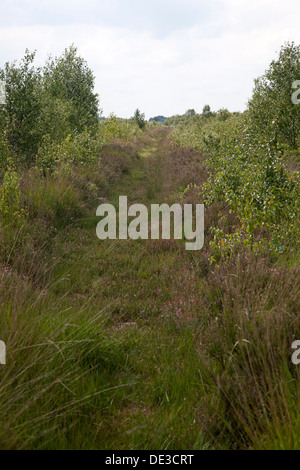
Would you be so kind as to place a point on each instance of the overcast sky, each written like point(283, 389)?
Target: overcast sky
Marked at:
point(161, 56)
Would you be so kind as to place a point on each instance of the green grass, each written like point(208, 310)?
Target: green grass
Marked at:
point(139, 344)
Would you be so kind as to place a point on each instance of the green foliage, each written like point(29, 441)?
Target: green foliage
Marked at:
point(139, 119)
point(23, 104)
point(248, 178)
point(10, 195)
point(55, 101)
point(190, 112)
point(75, 150)
point(115, 129)
point(4, 151)
point(207, 134)
point(55, 199)
point(100, 335)
point(206, 112)
point(54, 122)
point(251, 180)
point(223, 114)
point(69, 80)
point(271, 110)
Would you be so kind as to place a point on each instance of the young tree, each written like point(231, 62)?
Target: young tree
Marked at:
point(271, 110)
point(190, 112)
point(223, 114)
point(206, 112)
point(23, 104)
point(69, 80)
point(54, 101)
point(139, 118)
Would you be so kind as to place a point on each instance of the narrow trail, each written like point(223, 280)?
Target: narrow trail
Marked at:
point(158, 169)
point(134, 279)
point(148, 292)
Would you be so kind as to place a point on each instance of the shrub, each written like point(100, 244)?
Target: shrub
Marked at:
point(79, 149)
point(248, 178)
point(115, 129)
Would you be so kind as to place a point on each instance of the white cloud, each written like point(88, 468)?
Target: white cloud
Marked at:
point(212, 58)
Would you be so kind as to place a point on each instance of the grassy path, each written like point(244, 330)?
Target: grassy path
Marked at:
point(147, 338)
